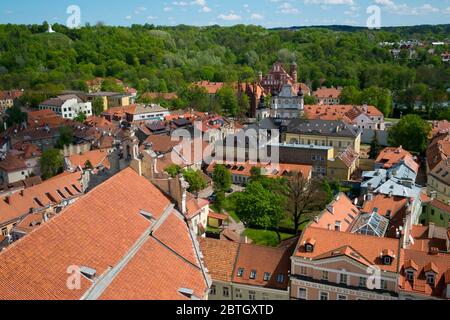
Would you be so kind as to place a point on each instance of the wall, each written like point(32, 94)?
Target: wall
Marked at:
point(368, 134)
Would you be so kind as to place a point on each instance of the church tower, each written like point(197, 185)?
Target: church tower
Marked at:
point(294, 74)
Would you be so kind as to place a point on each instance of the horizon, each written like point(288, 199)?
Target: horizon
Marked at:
point(268, 14)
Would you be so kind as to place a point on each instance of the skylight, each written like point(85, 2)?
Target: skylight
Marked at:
point(371, 224)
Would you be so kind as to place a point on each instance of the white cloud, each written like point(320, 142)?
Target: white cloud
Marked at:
point(404, 9)
point(230, 17)
point(287, 8)
point(331, 2)
point(256, 16)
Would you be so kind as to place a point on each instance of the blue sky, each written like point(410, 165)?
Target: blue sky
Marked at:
point(268, 13)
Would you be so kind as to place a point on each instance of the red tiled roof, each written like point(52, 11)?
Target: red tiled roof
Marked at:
point(12, 163)
point(220, 257)
point(423, 262)
point(391, 156)
point(53, 191)
point(327, 93)
point(368, 248)
point(96, 157)
point(341, 209)
point(275, 261)
point(97, 231)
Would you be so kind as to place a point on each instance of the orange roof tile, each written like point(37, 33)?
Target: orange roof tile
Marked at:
point(97, 231)
point(220, 257)
point(367, 247)
point(96, 157)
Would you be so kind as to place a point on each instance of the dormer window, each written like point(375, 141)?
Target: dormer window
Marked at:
point(431, 278)
point(388, 257)
point(410, 275)
point(387, 261)
point(266, 276)
point(309, 245)
point(240, 272)
point(253, 274)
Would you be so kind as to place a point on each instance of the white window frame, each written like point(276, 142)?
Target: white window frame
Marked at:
point(306, 293)
point(326, 293)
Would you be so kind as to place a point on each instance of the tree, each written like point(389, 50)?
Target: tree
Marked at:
point(303, 195)
point(15, 116)
point(173, 170)
point(309, 100)
point(375, 147)
point(81, 117)
point(97, 106)
point(65, 137)
point(222, 178)
point(228, 100)
point(411, 132)
point(195, 179)
point(51, 163)
point(260, 208)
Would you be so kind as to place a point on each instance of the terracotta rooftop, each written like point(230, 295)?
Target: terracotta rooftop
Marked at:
point(328, 93)
point(366, 249)
point(424, 262)
point(97, 158)
point(341, 210)
point(137, 229)
point(63, 187)
point(12, 163)
point(224, 259)
point(391, 156)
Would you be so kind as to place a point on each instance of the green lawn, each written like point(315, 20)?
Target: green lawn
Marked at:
point(264, 237)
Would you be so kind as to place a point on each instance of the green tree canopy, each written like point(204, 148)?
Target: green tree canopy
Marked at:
point(222, 178)
point(51, 163)
point(97, 106)
point(65, 137)
point(195, 179)
point(259, 207)
point(411, 132)
point(15, 116)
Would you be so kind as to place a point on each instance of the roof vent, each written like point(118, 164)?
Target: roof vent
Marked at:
point(88, 272)
point(186, 292)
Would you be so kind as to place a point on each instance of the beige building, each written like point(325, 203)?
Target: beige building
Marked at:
point(342, 255)
point(335, 134)
point(344, 165)
point(438, 168)
point(247, 272)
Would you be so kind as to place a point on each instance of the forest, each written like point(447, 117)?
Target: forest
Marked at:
point(168, 59)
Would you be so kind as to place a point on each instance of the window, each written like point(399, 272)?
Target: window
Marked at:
point(341, 297)
point(337, 226)
point(226, 292)
point(240, 272)
point(325, 275)
point(323, 296)
point(410, 275)
point(302, 294)
point(253, 274)
point(387, 260)
point(383, 284)
point(238, 294)
point(303, 271)
point(5, 231)
point(343, 279)
point(266, 276)
point(280, 278)
point(309, 248)
point(430, 279)
point(362, 282)
point(212, 291)
point(251, 295)
point(265, 296)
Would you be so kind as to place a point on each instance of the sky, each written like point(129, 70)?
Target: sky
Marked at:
point(267, 13)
